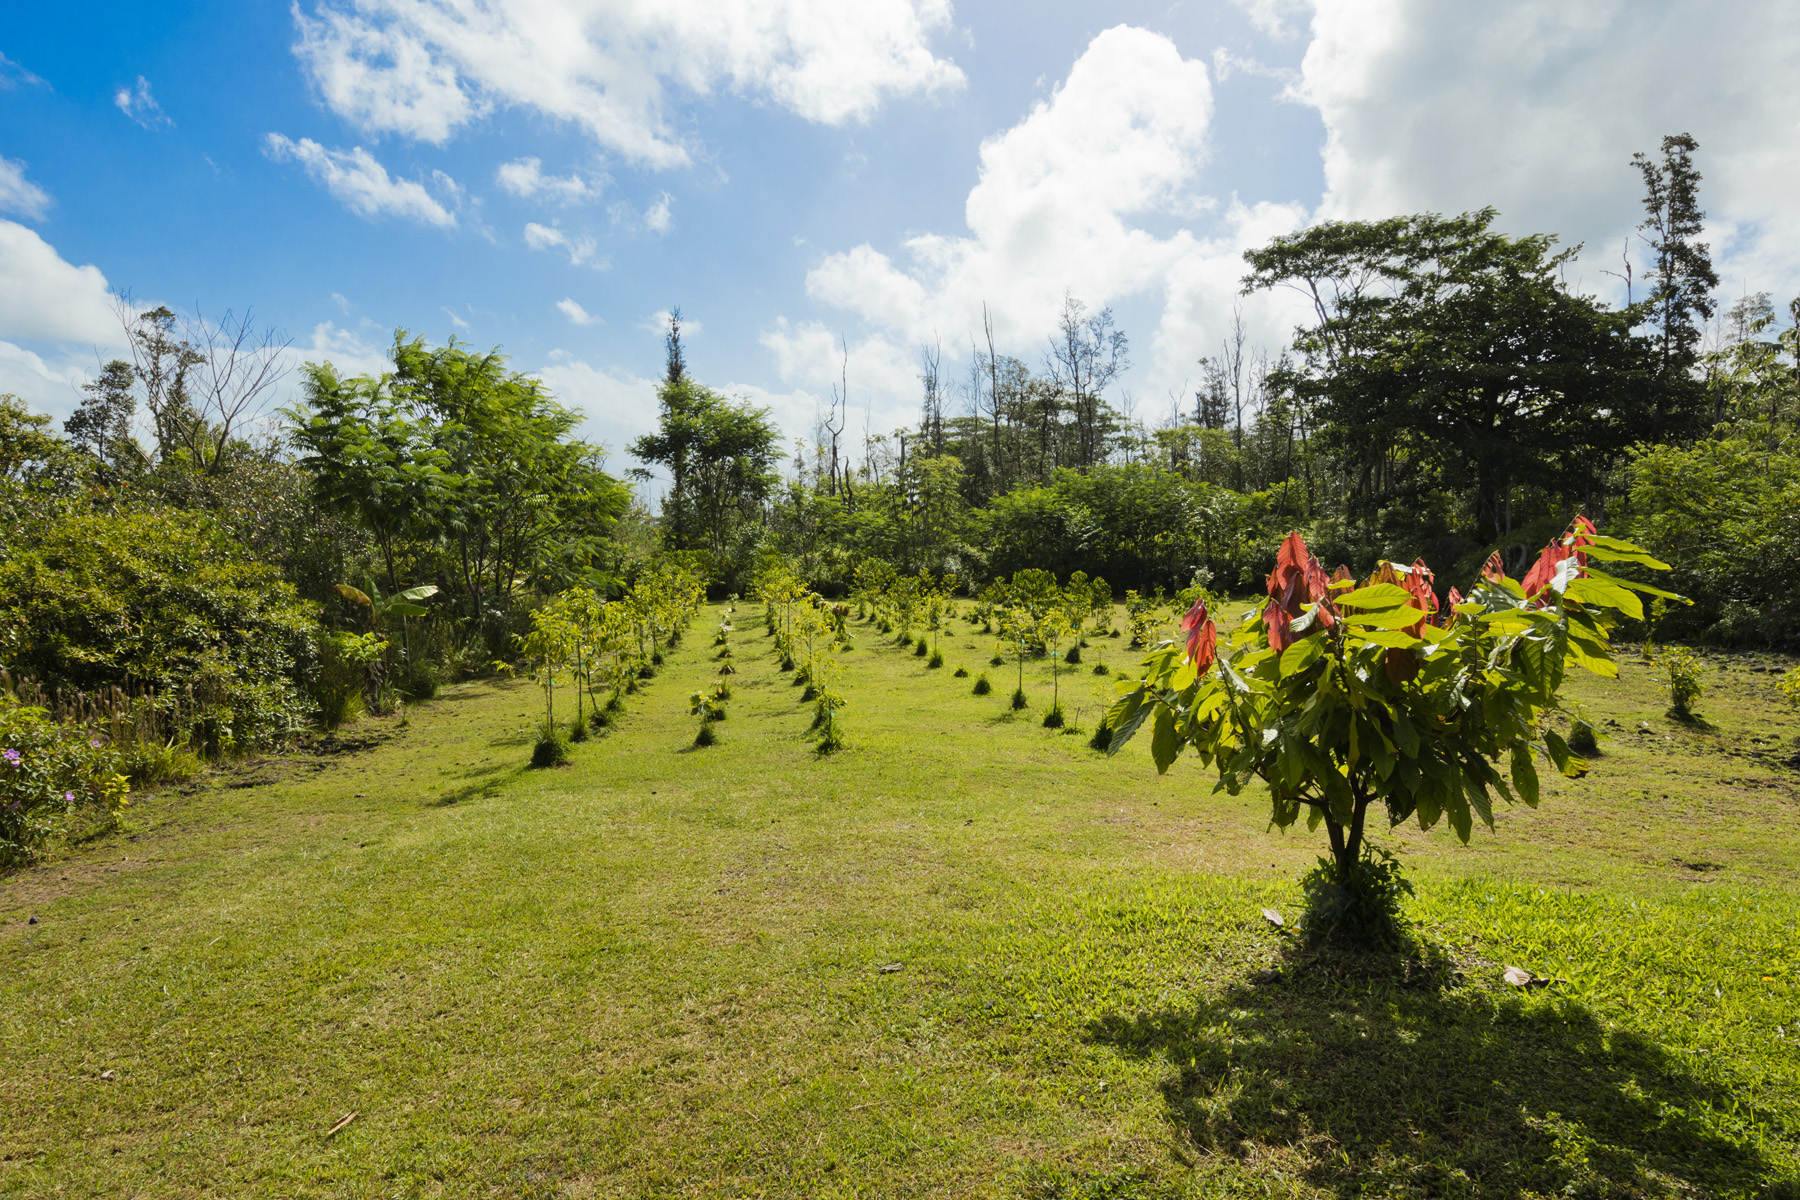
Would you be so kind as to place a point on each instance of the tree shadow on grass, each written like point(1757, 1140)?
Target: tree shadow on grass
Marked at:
point(1371, 1088)
point(479, 786)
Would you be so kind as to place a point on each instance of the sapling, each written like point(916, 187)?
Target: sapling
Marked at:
point(1342, 698)
point(982, 686)
point(960, 673)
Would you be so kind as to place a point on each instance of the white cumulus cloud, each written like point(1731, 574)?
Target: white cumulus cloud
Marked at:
point(18, 194)
point(44, 298)
point(363, 184)
point(1536, 108)
point(1064, 201)
point(423, 68)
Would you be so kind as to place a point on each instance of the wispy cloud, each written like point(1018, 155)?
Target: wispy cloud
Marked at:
point(18, 194)
point(138, 104)
point(12, 75)
point(576, 314)
point(580, 248)
point(525, 177)
point(363, 184)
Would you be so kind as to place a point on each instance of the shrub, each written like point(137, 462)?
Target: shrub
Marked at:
point(91, 597)
point(1100, 669)
point(1681, 678)
point(982, 686)
point(707, 736)
point(1073, 657)
point(960, 673)
point(936, 660)
point(1019, 701)
point(52, 777)
point(1055, 718)
point(1790, 687)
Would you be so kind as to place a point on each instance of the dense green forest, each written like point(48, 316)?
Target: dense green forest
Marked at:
point(195, 582)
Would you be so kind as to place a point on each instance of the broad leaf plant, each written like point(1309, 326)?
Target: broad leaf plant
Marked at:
point(1344, 696)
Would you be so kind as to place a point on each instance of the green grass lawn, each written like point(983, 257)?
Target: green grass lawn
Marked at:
point(965, 956)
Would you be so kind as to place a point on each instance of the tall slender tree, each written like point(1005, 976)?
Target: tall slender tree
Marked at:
point(1684, 280)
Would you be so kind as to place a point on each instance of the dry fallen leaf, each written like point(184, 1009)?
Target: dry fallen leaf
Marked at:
point(1273, 918)
point(1517, 976)
point(333, 1131)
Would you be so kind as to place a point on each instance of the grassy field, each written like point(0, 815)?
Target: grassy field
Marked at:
point(964, 956)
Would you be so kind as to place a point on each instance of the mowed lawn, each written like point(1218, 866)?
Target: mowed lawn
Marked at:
point(965, 956)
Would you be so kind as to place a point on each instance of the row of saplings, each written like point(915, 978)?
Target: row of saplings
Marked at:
point(605, 650)
point(1030, 615)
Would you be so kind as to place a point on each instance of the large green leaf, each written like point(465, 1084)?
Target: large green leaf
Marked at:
point(1165, 744)
point(1524, 773)
point(1375, 597)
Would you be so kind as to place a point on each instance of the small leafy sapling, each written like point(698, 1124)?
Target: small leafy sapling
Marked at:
point(1681, 679)
point(982, 685)
point(1790, 688)
point(1345, 698)
point(959, 673)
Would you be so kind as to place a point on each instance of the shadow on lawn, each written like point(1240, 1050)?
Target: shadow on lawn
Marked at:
point(1386, 1090)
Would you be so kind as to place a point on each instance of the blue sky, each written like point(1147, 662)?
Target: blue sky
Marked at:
point(547, 175)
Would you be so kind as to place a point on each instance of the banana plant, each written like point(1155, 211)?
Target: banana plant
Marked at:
point(379, 608)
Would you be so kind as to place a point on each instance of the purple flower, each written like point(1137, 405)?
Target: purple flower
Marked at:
point(68, 797)
point(12, 757)
point(94, 742)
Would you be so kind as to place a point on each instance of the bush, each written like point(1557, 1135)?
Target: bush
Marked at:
point(1055, 718)
point(1366, 914)
point(1790, 688)
point(960, 673)
point(1681, 672)
point(52, 778)
point(937, 660)
point(91, 597)
point(1073, 657)
point(1018, 700)
point(982, 686)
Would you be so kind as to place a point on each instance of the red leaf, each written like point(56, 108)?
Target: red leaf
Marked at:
point(1203, 637)
point(1288, 591)
point(1493, 570)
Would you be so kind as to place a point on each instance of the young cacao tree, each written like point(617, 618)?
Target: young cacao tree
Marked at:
point(1344, 698)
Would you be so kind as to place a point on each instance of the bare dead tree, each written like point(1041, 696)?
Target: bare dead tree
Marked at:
point(931, 416)
point(203, 382)
point(1086, 355)
point(237, 370)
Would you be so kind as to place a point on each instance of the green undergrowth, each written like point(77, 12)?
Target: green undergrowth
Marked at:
point(961, 955)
